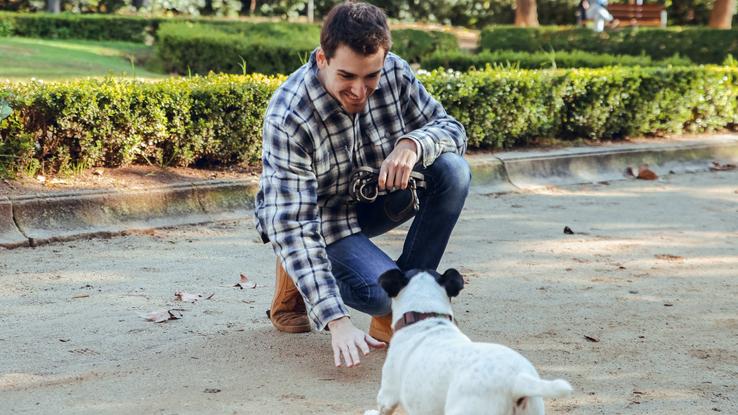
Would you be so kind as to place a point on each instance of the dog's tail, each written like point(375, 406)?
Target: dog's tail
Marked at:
point(527, 385)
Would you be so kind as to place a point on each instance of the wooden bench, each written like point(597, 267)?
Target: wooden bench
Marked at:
point(638, 14)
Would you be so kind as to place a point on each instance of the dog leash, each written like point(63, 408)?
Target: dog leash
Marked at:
point(364, 187)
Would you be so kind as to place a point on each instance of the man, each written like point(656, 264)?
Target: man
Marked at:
point(353, 104)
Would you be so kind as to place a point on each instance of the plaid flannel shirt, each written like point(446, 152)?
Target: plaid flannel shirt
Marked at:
point(310, 147)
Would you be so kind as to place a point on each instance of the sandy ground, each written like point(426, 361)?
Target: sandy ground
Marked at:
point(638, 309)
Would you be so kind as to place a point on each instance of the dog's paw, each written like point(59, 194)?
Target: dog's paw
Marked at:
point(371, 412)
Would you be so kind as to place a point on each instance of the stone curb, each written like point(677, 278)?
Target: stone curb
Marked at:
point(31, 220)
point(509, 171)
point(40, 219)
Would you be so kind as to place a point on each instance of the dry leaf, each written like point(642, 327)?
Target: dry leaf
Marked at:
point(245, 283)
point(716, 166)
point(41, 179)
point(160, 316)
point(211, 390)
point(668, 257)
point(629, 173)
point(82, 295)
point(190, 298)
point(592, 339)
point(644, 173)
point(98, 172)
point(568, 231)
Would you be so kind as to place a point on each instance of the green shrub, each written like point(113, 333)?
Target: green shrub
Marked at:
point(200, 120)
point(700, 45)
point(76, 26)
point(505, 108)
point(6, 25)
point(462, 61)
point(217, 119)
point(413, 45)
point(266, 47)
point(198, 48)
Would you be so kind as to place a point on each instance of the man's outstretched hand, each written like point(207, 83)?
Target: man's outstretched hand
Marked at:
point(349, 342)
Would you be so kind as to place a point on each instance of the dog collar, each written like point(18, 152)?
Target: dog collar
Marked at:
point(412, 317)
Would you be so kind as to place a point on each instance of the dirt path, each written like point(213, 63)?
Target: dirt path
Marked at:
point(637, 309)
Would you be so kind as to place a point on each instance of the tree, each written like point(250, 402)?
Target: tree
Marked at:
point(722, 14)
point(526, 13)
point(53, 6)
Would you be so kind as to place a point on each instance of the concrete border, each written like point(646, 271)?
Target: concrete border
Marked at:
point(527, 170)
point(69, 215)
point(31, 220)
point(10, 236)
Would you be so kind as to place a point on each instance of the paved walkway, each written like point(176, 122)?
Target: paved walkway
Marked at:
point(637, 309)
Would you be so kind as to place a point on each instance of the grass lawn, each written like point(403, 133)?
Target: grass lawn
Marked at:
point(26, 58)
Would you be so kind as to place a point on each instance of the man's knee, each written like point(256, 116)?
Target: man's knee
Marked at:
point(452, 173)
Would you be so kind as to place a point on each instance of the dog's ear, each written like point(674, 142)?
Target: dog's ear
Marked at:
point(393, 281)
point(452, 281)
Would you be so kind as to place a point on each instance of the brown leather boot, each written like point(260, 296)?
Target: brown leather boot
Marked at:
point(288, 311)
point(381, 328)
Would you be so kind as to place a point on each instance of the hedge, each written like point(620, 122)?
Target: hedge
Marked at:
point(198, 49)
point(506, 108)
point(76, 26)
point(267, 47)
point(213, 120)
point(217, 119)
point(701, 45)
point(463, 61)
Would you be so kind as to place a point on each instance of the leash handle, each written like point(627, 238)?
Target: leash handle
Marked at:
point(364, 186)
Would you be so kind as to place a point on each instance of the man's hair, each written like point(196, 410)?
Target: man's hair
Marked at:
point(360, 26)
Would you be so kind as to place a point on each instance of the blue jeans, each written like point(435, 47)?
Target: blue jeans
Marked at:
point(357, 262)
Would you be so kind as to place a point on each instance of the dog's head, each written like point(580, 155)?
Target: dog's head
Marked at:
point(421, 291)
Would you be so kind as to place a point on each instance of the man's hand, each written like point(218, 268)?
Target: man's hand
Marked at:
point(396, 168)
point(347, 340)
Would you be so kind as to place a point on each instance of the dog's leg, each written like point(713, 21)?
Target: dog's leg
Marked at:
point(386, 401)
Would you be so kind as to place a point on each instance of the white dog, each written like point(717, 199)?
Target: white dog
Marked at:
point(433, 368)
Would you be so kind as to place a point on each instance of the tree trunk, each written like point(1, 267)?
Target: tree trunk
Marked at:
point(526, 13)
point(139, 4)
point(722, 14)
point(53, 6)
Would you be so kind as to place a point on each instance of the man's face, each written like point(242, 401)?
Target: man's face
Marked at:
point(350, 77)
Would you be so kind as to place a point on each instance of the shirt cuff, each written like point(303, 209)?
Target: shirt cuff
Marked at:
point(327, 310)
point(426, 146)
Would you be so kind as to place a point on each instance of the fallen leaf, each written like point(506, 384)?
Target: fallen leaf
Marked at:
point(568, 231)
point(190, 298)
point(629, 173)
point(644, 173)
point(211, 390)
point(41, 179)
point(63, 340)
point(669, 257)
point(245, 283)
point(592, 339)
point(98, 172)
point(57, 181)
point(82, 295)
point(160, 316)
point(716, 166)
point(668, 305)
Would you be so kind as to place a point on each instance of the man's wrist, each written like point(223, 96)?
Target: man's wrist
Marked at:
point(412, 144)
point(338, 321)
